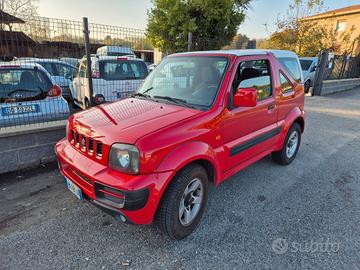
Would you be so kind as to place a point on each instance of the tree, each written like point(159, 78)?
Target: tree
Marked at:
point(306, 37)
point(238, 42)
point(213, 23)
point(108, 40)
point(24, 9)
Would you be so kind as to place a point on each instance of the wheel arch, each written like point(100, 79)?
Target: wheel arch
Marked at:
point(295, 116)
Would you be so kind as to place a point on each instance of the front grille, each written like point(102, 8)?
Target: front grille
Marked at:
point(99, 149)
point(86, 144)
point(91, 145)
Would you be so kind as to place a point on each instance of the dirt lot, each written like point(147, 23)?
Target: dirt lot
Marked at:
point(314, 201)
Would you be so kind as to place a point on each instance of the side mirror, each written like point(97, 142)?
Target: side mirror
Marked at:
point(245, 97)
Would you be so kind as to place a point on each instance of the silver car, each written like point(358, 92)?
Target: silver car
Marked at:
point(62, 73)
point(29, 95)
point(308, 66)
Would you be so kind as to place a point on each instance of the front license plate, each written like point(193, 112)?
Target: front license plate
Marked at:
point(21, 109)
point(74, 188)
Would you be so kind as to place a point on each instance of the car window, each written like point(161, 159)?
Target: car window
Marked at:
point(64, 70)
point(305, 64)
point(292, 66)
point(82, 70)
point(254, 74)
point(122, 70)
point(191, 80)
point(285, 84)
point(48, 67)
point(17, 84)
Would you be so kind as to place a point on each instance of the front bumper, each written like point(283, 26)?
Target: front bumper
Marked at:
point(134, 196)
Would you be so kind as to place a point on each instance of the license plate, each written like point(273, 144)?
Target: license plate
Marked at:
point(74, 188)
point(21, 109)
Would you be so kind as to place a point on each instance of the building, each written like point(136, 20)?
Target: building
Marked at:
point(343, 20)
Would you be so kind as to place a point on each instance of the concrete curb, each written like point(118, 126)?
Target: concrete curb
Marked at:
point(335, 86)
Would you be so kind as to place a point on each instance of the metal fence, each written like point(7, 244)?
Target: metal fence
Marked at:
point(45, 73)
point(343, 67)
point(335, 67)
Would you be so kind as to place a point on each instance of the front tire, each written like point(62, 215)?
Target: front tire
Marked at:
point(183, 203)
point(291, 146)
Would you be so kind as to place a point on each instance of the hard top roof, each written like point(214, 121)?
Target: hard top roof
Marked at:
point(277, 53)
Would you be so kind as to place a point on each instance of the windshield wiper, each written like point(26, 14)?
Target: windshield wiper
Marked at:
point(175, 100)
point(140, 95)
point(147, 90)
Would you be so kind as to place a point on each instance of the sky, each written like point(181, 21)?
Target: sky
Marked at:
point(133, 13)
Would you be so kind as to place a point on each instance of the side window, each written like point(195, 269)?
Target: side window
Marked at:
point(82, 70)
point(285, 84)
point(255, 74)
point(48, 67)
point(292, 66)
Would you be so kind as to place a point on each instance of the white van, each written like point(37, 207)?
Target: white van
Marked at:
point(115, 51)
point(113, 78)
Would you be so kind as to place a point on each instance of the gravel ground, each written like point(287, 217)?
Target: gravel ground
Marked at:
point(303, 216)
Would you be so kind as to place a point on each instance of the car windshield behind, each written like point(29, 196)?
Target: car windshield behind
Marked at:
point(22, 84)
point(305, 64)
point(123, 70)
point(192, 81)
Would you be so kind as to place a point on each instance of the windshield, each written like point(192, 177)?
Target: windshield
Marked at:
point(123, 70)
point(305, 64)
point(22, 84)
point(193, 81)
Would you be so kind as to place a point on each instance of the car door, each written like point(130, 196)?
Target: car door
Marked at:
point(250, 131)
point(78, 83)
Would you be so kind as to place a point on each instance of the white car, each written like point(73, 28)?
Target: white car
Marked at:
point(115, 51)
point(113, 78)
point(308, 66)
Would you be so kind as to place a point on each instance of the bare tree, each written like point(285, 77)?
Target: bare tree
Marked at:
point(24, 9)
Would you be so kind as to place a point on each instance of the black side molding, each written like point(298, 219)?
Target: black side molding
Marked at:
point(251, 143)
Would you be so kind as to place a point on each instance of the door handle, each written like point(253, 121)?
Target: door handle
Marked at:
point(271, 107)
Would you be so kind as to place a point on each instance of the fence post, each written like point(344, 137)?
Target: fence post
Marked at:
point(88, 59)
point(190, 38)
point(343, 66)
point(320, 73)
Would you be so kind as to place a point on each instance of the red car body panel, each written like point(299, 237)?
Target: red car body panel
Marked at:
point(169, 137)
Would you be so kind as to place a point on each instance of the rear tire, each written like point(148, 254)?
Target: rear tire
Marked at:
point(291, 146)
point(87, 103)
point(183, 203)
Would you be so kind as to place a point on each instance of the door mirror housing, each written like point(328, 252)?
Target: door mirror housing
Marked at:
point(245, 97)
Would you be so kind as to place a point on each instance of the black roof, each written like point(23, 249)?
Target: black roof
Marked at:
point(7, 18)
point(6, 37)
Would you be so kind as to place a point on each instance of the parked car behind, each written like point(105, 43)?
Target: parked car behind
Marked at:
point(198, 119)
point(115, 51)
point(70, 60)
point(29, 95)
point(113, 78)
point(61, 72)
point(152, 67)
point(308, 66)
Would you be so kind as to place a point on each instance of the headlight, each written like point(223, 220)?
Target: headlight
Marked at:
point(124, 158)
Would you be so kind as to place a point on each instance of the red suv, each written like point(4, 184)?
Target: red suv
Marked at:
point(198, 119)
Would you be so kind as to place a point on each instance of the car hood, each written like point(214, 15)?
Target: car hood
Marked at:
point(128, 120)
